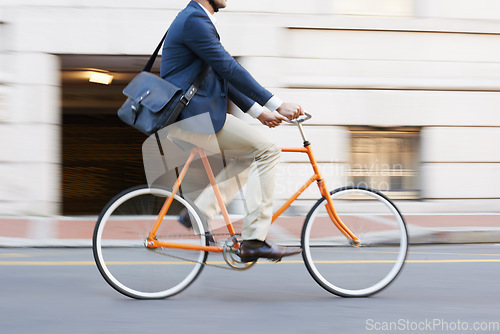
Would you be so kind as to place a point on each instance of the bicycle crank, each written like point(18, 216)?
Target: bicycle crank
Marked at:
point(230, 253)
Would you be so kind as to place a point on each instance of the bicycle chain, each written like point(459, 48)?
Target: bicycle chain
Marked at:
point(155, 250)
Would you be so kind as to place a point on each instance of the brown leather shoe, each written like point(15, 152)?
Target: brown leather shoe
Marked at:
point(251, 250)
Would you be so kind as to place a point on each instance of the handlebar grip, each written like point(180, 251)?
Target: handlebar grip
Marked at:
point(301, 119)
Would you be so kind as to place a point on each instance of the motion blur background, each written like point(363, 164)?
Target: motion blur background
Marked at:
point(405, 96)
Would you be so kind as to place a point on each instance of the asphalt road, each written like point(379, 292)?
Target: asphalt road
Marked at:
point(442, 289)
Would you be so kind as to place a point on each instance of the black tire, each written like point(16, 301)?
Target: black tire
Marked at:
point(122, 257)
point(340, 266)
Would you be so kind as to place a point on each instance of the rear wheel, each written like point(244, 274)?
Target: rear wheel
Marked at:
point(340, 266)
point(119, 244)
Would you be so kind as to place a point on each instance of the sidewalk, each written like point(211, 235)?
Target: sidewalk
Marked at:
point(77, 231)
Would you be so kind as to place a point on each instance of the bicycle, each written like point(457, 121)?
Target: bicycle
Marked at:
point(354, 239)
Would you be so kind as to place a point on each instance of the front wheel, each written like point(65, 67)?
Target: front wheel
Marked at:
point(355, 270)
point(121, 254)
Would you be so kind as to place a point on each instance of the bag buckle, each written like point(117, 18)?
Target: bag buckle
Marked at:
point(137, 105)
point(184, 100)
point(144, 96)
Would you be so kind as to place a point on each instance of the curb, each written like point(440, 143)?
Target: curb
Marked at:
point(454, 235)
point(44, 243)
point(76, 232)
point(417, 236)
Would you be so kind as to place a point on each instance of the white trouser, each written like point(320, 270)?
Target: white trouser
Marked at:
point(256, 161)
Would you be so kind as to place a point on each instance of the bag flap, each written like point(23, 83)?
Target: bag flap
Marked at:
point(151, 91)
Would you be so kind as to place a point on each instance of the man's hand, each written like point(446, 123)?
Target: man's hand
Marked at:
point(290, 110)
point(271, 119)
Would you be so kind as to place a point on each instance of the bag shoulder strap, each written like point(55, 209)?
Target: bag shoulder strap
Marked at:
point(196, 84)
point(152, 59)
point(193, 88)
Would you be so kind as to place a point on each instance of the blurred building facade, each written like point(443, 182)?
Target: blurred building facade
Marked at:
point(405, 96)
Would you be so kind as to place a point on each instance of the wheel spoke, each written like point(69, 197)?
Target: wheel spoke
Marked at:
point(124, 260)
point(351, 270)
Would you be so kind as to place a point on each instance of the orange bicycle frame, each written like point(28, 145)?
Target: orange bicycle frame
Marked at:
point(322, 189)
point(152, 242)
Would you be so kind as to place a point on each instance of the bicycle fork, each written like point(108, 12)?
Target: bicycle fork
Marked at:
point(322, 188)
point(333, 214)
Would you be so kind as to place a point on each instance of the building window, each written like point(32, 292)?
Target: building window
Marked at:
point(386, 159)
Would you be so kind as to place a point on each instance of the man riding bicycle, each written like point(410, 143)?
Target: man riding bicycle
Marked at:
point(193, 41)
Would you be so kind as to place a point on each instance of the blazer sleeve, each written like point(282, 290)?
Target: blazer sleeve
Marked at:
point(201, 37)
point(242, 101)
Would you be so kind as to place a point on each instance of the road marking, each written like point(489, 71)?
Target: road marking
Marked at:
point(88, 263)
point(393, 261)
point(46, 263)
point(92, 263)
point(453, 261)
point(471, 254)
point(7, 255)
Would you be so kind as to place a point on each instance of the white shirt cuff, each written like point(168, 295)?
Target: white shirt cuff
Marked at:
point(273, 103)
point(255, 110)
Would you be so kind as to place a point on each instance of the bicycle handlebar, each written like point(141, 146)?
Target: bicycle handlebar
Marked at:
point(301, 119)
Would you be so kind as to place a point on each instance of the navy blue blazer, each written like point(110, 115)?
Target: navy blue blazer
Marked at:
point(192, 40)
